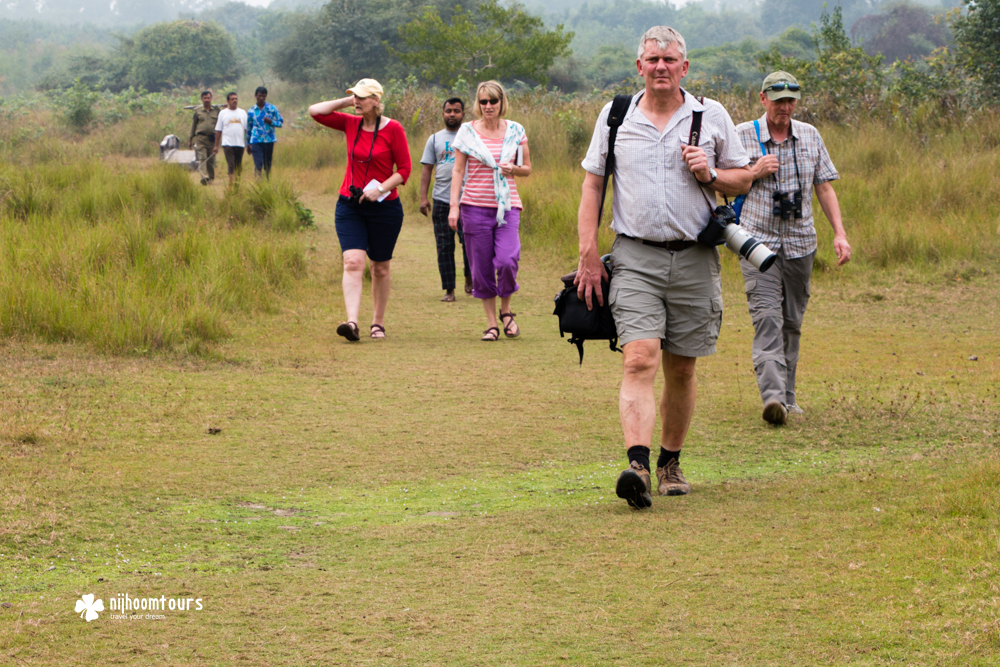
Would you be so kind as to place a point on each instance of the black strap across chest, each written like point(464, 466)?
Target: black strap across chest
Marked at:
point(361, 123)
point(619, 107)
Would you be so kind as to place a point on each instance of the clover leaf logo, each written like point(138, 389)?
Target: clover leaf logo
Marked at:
point(87, 605)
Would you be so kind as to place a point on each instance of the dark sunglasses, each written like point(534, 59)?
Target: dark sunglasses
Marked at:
point(784, 86)
point(493, 100)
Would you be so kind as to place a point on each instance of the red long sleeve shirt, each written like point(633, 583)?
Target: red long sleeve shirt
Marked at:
point(391, 148)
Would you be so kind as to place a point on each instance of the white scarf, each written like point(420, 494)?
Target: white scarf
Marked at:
point(469, 142)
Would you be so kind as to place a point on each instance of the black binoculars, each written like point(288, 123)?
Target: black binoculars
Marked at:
point(785, 207)
point(356, 193)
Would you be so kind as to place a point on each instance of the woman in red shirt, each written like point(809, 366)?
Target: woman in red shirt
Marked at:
point(369, 213)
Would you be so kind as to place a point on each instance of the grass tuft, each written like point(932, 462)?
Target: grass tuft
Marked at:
point(139, 261)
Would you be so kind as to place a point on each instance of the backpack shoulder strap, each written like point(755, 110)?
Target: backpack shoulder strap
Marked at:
point(619, 107)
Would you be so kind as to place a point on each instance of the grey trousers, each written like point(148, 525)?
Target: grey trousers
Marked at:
point(203, 153)
point(777, 301)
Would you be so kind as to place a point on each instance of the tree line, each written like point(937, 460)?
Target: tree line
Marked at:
point(444, 42)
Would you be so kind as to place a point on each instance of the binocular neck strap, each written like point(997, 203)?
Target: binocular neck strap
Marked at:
point(792, 141)
point(361, 123)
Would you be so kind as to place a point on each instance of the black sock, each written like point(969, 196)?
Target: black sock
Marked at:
point(666, 457)
point(640, 455)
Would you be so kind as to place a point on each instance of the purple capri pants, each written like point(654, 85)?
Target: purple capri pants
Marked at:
point(494, 252)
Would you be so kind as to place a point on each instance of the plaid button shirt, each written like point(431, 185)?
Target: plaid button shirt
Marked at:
point(795, 238)
point(656, 197)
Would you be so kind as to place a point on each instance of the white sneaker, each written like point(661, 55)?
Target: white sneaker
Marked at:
point(794, 410)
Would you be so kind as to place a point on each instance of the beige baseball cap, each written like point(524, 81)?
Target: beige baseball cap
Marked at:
point(367, 88)
point(781, 84)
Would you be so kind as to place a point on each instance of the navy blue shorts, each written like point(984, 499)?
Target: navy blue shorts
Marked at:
point(372, 227)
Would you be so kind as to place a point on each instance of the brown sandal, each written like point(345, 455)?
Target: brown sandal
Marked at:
point(379, 329)
point(507, 327)
point(349, 330)
point(491, 335)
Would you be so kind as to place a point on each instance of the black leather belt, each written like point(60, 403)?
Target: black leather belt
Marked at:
point(673, 246)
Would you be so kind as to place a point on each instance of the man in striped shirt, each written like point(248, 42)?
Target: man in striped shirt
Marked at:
point(788, 161)
point(666, 292)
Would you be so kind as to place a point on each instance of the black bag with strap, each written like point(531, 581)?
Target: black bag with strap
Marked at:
point(574, 317)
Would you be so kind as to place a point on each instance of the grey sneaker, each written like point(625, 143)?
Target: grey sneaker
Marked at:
point(633, 485)
point(775, 413)
point(672, 482)
point(793, 409)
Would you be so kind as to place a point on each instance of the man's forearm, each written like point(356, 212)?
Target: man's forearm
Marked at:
point(587, 217)
point(425, 181)
point(827, 197)
point(732, 182)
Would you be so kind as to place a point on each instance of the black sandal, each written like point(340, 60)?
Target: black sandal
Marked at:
point(507, 325)
point(377, 327)
point(349, 330)
point(491, 335)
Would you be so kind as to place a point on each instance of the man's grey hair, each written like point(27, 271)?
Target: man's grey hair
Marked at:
point(664, 36)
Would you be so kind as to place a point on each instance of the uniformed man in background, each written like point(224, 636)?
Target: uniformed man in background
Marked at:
point(203, 137)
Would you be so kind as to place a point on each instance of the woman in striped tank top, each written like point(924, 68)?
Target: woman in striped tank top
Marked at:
point(494, 151)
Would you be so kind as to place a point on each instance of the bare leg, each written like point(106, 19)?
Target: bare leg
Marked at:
point(505, 308)
point(636, 402)
point(381, 282)
point(354, 271)
point(490, 306)
point(680, 390)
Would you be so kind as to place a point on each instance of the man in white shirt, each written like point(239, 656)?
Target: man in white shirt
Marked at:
point(666, 292)
point(230, 133)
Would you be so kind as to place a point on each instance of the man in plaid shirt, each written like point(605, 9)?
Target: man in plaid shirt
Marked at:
point(788, 158)
point(666, 291)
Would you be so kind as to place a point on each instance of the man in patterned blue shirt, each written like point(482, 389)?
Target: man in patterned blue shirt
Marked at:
point(262, 118)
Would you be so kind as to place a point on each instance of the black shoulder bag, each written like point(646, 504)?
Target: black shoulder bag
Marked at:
point(574, 318)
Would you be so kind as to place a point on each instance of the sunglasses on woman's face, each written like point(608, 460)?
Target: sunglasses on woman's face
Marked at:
point(493, 100)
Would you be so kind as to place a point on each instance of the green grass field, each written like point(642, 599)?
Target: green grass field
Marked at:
point(434, 500)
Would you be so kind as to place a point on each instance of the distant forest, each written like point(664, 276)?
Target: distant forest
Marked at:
point(48, 44)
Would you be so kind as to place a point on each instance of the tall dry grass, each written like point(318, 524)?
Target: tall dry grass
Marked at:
point(138, 260)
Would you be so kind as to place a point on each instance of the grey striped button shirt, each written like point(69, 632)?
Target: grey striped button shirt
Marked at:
point(795, 238)
point(656, 197)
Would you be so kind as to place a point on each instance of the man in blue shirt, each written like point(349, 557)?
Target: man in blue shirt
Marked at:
point(262, 118)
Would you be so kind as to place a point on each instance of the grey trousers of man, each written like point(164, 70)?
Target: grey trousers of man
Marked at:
point(203, 146)
point(777, 299)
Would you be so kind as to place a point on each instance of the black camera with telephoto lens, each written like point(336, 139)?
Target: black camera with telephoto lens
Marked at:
point(785, 207)
point(724, 227)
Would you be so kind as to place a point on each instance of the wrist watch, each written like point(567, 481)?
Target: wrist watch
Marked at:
point(382, 192)
point(714, 174)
